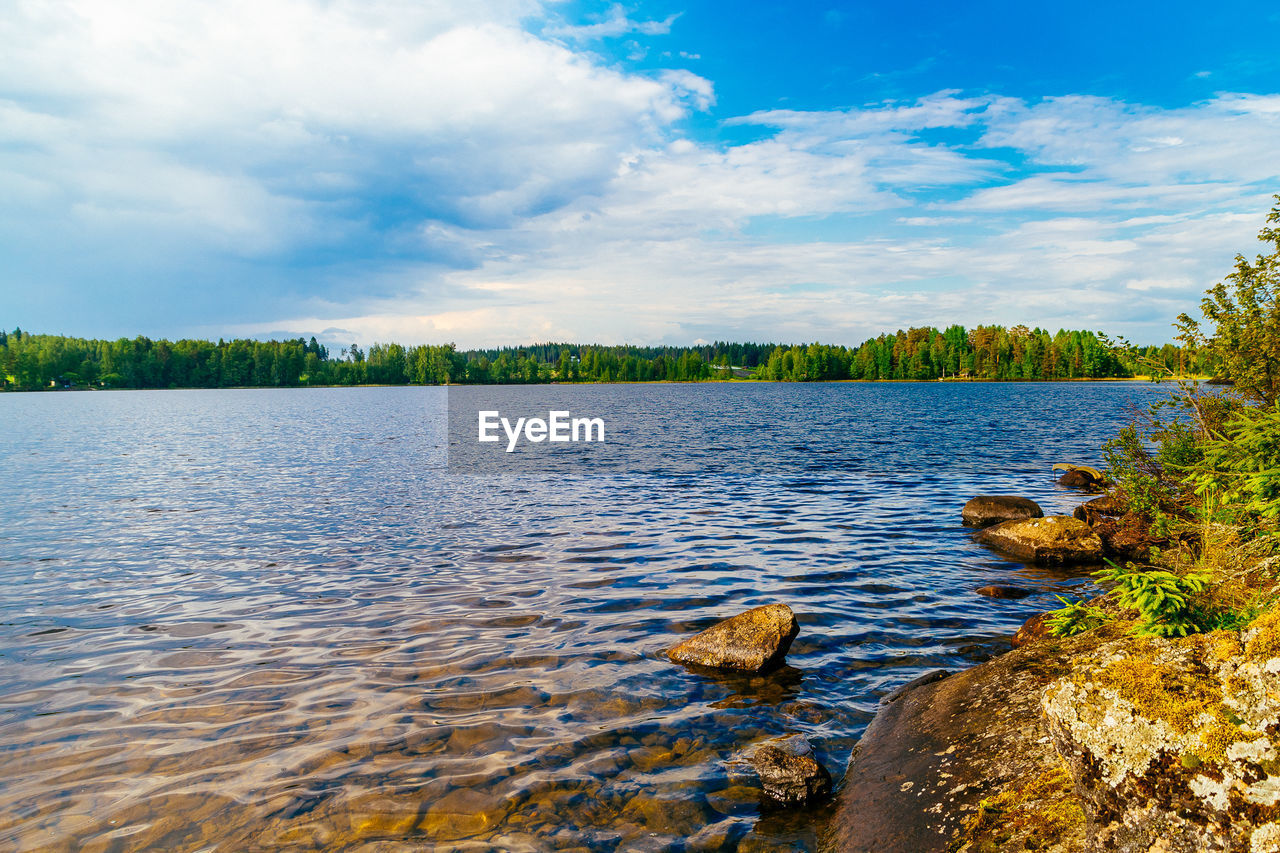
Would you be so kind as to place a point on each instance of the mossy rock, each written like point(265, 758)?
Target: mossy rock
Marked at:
point(1175, 739)
point(1054, 540)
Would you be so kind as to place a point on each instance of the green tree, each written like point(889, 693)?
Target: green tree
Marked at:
point(1245, 313)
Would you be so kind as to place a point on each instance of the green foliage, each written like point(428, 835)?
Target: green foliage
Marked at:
point(988, 352)
point(1245, 313)
point(1075, 617)
point(985, 352)
point(1207, 457)
point(1164, 602)
point(1238, 475)
point(1143, 479)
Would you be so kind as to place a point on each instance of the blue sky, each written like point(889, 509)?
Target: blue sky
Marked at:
point(507, 171)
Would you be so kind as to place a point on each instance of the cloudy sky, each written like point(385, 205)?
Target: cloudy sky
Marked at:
point(508, 171)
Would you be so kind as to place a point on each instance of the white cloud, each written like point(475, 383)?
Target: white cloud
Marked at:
point(479, 119)
point(616, 23)
point(438, 171)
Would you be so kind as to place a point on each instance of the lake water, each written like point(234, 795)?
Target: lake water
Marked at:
point(264, 619)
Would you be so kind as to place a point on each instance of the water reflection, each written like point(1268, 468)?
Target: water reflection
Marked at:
point(263, 619)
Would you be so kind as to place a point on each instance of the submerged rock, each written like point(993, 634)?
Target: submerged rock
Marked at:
point(1055, 540)
point(986, 510)
point(752, 641)
point(996, 590)
point(790, 773)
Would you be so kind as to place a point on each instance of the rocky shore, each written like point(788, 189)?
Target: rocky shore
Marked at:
point(1102, 741)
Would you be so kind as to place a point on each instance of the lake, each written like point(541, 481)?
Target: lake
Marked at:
point(262, 619)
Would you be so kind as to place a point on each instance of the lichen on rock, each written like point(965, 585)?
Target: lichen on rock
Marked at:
point(1032, 816)
point(1053, 540)
point(1175, 739)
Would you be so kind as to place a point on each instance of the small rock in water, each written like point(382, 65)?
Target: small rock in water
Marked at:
point(986, 510)
point(1033, 629)
point(1077, 478)
point(790, 773)
point(999, 591)
point(1098, 509)
point(751, 641)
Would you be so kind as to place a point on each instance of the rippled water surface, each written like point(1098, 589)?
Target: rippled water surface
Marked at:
point(242, 620)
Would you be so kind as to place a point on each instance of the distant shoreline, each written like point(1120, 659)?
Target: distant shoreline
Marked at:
point(734, 381)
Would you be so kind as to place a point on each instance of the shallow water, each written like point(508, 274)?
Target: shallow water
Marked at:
point(260, 619)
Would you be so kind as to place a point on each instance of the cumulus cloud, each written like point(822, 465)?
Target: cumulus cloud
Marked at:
point(429, 172)
point(291, 131)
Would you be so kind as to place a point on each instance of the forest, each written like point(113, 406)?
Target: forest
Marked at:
point(34, 361)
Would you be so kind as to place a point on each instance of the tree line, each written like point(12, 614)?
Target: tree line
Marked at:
point(33, 361)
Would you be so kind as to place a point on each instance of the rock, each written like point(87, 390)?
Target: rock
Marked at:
point(461, 813)
point(1078, 478)
point(752, 641)
point(1176, 740)
point(1001, 591)
point(1055, 540)
point(1035, 628)
point(790, 774)
point(1091, 512)
point(921, 772)
point(1127, 537)
point(986, 510)
point(678, 816)
point(903, 689)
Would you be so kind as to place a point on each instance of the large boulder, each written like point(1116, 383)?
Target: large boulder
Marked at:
point(790, 773)
point(1176, 740)
point(752, 641)
point(944, 757)
point(986, 510)
point(1055, 540)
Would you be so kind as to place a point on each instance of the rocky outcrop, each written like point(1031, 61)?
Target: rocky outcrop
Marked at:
point(753, 641)
point(1055, 540)
point(1176, 741)
point(790, 773)
point(986, 510)
point(1125, 535)
point(934, 760)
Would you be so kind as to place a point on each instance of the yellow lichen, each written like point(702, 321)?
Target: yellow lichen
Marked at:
point(1160, 691)
point(1222, 646)
point(1036, 814)
point(1265, 642)
point(1188, 703)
